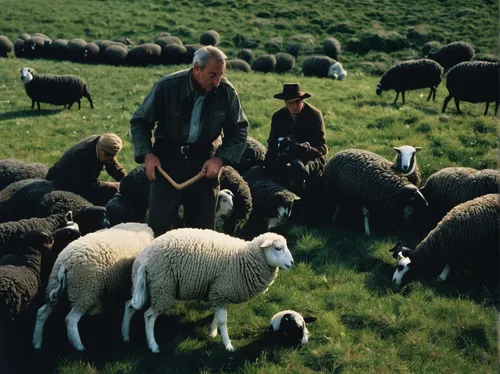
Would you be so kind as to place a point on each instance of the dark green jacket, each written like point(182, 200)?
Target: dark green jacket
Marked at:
point(169, 105)
point(79, 167)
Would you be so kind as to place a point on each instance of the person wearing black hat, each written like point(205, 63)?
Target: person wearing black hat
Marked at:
point(297, 133)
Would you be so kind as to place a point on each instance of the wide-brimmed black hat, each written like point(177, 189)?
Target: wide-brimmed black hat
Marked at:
point(292, 91)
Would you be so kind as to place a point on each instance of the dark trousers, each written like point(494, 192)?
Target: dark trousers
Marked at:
point(199, 200)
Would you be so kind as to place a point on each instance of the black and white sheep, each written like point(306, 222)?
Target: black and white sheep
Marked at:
point(87, 268)
point(54, 89)
point(411, 75)
point(452, 54)
point(12, 170)
point(6, 46)
point(336, 71)
point(358, 179)
point(474, 82)
point(271, 202)
point(228, 270)
point(467, 236)
point(288, 328)
point(405, 163)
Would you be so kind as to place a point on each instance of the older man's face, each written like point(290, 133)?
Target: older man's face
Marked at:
point(210, 76)
point(294, 106)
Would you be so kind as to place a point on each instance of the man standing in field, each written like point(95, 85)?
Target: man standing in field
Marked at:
point(190, 108)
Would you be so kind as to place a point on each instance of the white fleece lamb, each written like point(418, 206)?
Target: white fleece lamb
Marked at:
point(187, 264)
point(87, 267)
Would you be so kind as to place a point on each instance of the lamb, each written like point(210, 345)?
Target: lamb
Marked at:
point(336, 71)
point(288, 328)
point(86, 268)
point(271, 202)
point(474, 82)
point(405, 163)
point(452, 54)
point(367, 180)
point(411, 75)
point(467, 234)
point(452, 186)
point(20, 273)
point(12, 170)
point(5, 46)
point(54, 89)
point(254, 154)
point(228, 270)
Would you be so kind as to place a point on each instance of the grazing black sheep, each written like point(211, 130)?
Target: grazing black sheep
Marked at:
point(54, 89)
point(411, 75)
point(5, 46)
point(452, 54)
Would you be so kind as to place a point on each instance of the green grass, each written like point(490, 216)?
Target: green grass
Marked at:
point(365, 324)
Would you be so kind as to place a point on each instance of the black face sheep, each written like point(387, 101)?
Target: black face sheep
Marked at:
point(12, 170)
point(5, 46)
point(467, 235)
point(228, 270)
point(411, 75)
point(288, 328)
point(405, 163)
point(452, 54)
point(474, 82)
point(54, 89)
point(20, 273)
point(271, 202)
point(87, 268)
point(356, 179)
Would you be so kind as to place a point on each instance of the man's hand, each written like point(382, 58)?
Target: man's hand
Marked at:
point(115, 185)
point(151, 162)
point(212, 166)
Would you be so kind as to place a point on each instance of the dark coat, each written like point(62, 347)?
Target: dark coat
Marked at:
point(308, 127)
point(79, 168)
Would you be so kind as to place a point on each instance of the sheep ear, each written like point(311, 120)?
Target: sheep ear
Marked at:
point(396, 149)
point(309, 319)
point(69, 216)
point(418, 149)
point(405, 252)
point(296, 197)
point(400, 255)
point(267, 243)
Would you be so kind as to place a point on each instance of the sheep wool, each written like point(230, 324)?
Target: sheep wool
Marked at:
point(187, 264)
point(12, 170)
point(97, 262)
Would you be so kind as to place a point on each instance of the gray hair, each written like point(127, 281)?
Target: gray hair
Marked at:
point(202, 55)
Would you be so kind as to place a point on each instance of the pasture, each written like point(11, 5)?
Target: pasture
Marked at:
point(365, 323)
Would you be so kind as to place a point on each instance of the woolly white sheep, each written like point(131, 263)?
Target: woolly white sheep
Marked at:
point(288, 327)
point(336, 71)
point(54, 89)
point(187, 264)
point(97, 262)
point(467, 234)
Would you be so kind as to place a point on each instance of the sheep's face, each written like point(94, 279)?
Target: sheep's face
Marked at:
point(225, 203)
point(277, 253)
point(283, 213)
point(289, 328)
point(402, 268)
point(26, 75)
point(405, 158)
point(379, 89)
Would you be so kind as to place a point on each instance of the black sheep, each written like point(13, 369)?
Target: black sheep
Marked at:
point(452, 54)
point(12, 170)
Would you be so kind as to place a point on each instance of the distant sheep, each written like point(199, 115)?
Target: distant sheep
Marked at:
point(246, 54)
point(75, 49)
point(173, 54)
point(12, 170)
point(59, 49)
point(284, 62)
point(6, 46)
point(331, 47)
point(411, 75)
point(114, 55)
point(264, 63)
point(317, 66)
point(162, 41)
point(54, 89)
point(467, 235)
point(238, 64)
point(228, 270)
point(144, 55)
point(452, 54)
point(474, 82)
point(19, 50)
point(211, 37)
point(89, 266)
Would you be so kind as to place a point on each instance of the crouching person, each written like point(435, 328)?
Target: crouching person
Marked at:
point(79, 168)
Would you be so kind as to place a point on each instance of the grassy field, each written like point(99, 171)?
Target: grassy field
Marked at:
point(365, 323)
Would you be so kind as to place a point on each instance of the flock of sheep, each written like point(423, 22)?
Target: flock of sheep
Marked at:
point(51, 240)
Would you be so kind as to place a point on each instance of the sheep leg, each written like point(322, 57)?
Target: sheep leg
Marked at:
point(444, 274)
point(72, 320)
point(70, 105)
point(396, 99)
point(32, 104)
point(38, 105)
point(486, 109)
point(221, 315)
point(41, 317)
point(403, 95)
point(90, 101)
point(496, 107)
point(366, 215)
point(127, 317)
point(430, 94)
point(457, 104)
point(446, 101)
point(434, 95)
point(149, 321)
point(79, 106)
point(213, 328)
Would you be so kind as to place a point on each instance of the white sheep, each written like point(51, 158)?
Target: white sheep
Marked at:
point(187, 264)
point(336, 71)
point(97, 262)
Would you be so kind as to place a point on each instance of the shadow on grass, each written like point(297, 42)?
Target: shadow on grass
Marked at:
point(28, 113)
